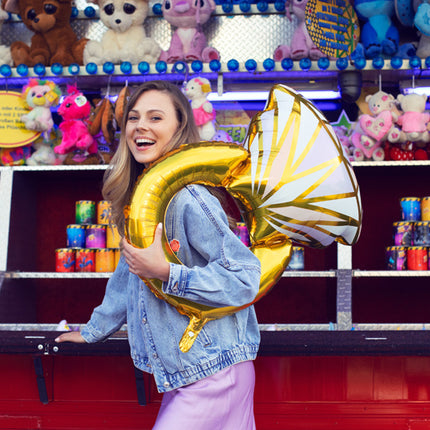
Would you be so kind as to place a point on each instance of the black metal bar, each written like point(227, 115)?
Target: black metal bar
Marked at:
point(140, 387)
point(40, 377)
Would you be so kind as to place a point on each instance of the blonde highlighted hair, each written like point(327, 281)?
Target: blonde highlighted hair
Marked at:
point(121, 176)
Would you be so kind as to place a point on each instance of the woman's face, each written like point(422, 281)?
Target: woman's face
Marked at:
point(150, 126)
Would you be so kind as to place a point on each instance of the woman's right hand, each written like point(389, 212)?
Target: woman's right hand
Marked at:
point(70, 336)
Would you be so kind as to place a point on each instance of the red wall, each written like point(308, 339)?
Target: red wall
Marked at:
point(308, 393)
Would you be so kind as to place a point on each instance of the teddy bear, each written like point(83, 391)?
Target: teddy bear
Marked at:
point(5, 55)
point(188, 41)
point(301, 45)
point(196, 91)
point(53, 41)
point(75, 110)
point(412, 124)
point(378, 33)
point(373, 129)
point(125, 38)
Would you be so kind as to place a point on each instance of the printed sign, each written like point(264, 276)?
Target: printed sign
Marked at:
point(12, 130)
point(333, 26)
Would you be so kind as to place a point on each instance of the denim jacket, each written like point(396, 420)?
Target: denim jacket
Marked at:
point(218, 271)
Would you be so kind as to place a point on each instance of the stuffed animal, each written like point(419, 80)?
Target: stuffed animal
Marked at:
point(413, 122)
point(196, 91)
point(14, 156)
point(301, 45)
point(188, 41)
point(40, 96)
point(43, 151)
point(125, 38)
point(5, 55)
point(378, 34)
point(75, 110)
point(54, 40)
point(364, 147)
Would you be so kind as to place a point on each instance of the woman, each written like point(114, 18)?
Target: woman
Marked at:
point(211, 386)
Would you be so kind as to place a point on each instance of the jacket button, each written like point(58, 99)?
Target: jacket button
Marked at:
point(155, 355)
point(144, 320)
point(166, 384)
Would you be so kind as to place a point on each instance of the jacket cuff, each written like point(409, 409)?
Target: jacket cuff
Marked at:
point(177, 280)
point(90, 334)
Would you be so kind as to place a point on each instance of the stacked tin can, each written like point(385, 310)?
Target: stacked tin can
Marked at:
point(92, 242)
point(411, 236)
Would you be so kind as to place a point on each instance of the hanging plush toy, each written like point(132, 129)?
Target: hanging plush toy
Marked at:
point(196, 91)
point(412, 124)
point(125, 38)
point(301, 45)
point(75, 110)
point(188, 41)
point(40, 96)
point(54, 40)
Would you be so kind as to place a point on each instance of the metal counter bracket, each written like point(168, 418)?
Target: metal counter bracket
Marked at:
point(344, 299)
point(140, 387)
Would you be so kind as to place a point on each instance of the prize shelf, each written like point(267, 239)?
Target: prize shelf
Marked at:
point(339, 282)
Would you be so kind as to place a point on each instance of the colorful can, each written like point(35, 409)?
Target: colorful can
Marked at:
point(297, 261)
point(403, 233)
point(105, 260)
point(76, 235)
point(85, 212)
point(96, 236)
point(117, 252)
point(241, 232)
point(396, 257)
point(425, 209)
point(411, 208)
point(112, 236)
point(421, 235)
point(417, 257)
point(84, 260)
point(103, 212)
point(64, 260)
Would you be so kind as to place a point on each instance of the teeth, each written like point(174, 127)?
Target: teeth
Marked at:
point(141, 142)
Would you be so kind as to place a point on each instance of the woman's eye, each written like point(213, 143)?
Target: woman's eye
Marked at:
point(156, 118)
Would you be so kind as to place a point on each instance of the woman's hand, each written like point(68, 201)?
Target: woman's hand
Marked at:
point(70, 336)
point(148, 262)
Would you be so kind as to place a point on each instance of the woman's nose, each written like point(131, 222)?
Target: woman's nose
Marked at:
point(142, 124)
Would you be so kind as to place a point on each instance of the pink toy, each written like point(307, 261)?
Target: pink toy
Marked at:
point(75, 109)
point(196, 91)
point(413, 122)
point(301, 45)
point(188, 41)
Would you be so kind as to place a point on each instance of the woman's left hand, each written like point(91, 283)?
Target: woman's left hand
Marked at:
point(147, 262)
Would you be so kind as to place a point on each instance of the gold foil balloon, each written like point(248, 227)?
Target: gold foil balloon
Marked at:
point(292, 178)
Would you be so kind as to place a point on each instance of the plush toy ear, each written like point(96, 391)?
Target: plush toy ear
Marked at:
point(10, 6)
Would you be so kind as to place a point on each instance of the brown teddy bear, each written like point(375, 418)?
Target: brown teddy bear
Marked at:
point(54, 40)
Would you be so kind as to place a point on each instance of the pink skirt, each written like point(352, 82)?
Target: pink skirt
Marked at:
point(224, 401)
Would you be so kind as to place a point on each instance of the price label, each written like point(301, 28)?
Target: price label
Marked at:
point(333, 26)
point(12, 130)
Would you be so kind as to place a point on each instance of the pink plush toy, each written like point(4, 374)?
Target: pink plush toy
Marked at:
point(301, 45)
point(188, 41)
point(413, 122)
point(75, 109)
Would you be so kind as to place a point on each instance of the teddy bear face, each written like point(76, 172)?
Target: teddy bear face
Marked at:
point(75, 106)
point(412, 102)
point(380, 102)
point(187, 13)
point(41, 16)
point(120, 15)
point(197, 87)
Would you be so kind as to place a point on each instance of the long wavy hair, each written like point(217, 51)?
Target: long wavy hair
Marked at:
point(121, 175)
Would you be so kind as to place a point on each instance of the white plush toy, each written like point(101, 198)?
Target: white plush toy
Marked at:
point(5, 55)
point(125, 38)
point(196, 91)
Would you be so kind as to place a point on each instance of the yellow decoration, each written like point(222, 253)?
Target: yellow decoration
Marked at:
point(12, 130)
point(292, 180)
point(333, 26)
